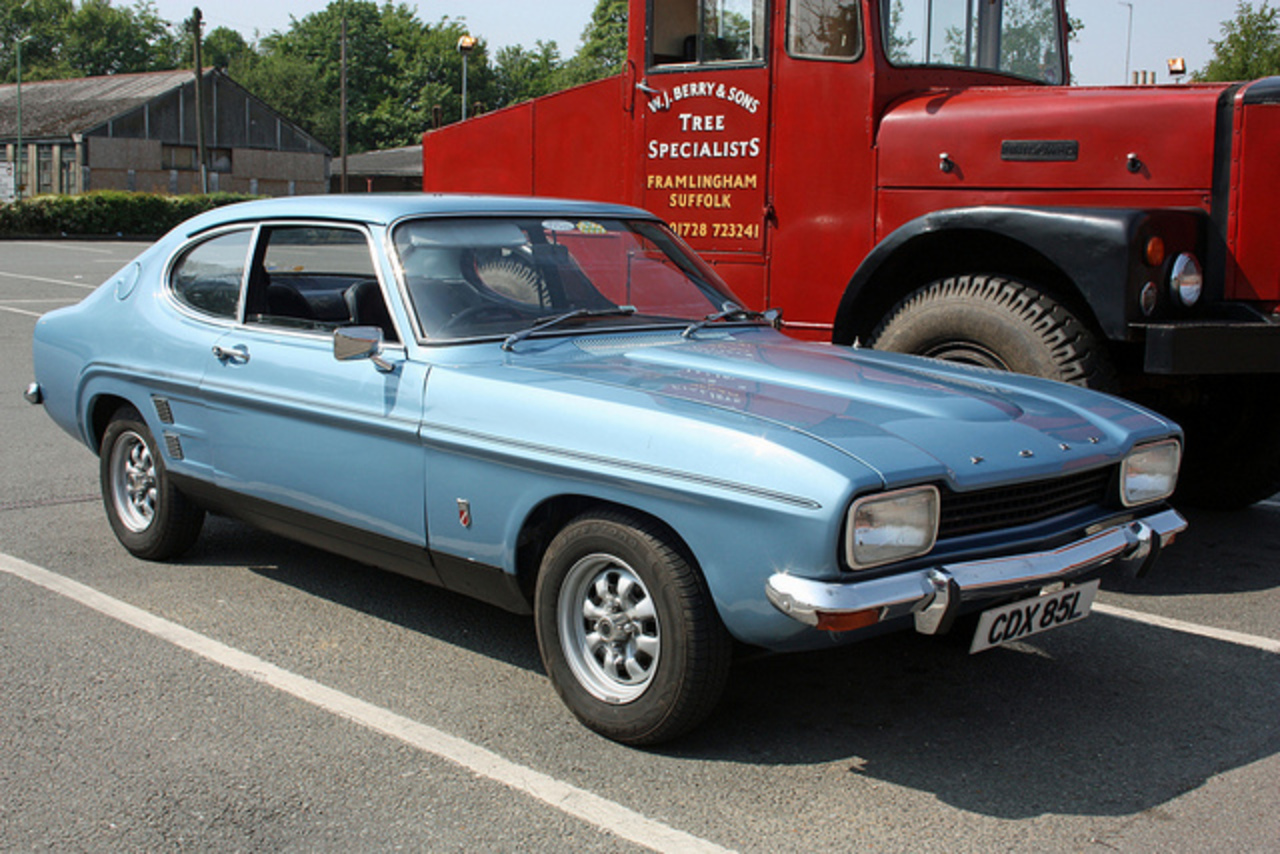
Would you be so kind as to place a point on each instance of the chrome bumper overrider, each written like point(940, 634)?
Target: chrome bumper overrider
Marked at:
point(934, 595)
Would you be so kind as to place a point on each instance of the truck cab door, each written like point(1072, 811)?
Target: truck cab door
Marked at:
point(704, 99)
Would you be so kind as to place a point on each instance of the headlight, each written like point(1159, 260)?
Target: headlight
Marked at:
point(1150, 472)
point(892, 526)
point(1185, 280)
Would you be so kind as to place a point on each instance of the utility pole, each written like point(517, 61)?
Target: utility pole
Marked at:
point(17, 154)
point(343, 97)
point(197, 21)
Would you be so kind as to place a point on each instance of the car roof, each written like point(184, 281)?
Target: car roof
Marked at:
point(385, 208)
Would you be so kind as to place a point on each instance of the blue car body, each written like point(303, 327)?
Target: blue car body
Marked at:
point(457, 457)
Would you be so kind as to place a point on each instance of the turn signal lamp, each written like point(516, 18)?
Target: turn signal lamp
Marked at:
point(1153, 252)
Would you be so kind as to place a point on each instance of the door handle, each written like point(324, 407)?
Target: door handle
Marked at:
point(238, 354)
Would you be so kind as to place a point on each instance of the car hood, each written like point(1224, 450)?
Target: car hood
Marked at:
point(908, 419)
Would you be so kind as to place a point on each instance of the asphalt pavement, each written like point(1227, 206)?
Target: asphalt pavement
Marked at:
point(260, 695)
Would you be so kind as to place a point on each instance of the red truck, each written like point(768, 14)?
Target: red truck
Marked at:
point(918, 175)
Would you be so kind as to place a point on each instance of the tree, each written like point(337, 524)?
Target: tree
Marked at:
point(1249, 48)
point(520, 74)
point(221, 47)
point(604, 45)
point(103, 39)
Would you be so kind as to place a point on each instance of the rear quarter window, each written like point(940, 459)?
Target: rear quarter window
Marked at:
point(207, 276)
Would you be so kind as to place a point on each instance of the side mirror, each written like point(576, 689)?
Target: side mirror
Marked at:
point(351, 343)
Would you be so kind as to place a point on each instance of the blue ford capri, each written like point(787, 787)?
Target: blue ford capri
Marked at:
point(558, 408)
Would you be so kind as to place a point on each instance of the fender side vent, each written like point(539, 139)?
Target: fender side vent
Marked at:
point(174, 445)
point(163, 409)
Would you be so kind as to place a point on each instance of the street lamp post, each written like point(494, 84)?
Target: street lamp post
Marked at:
point(1128, 42)
point(17, 156)
point(466, 44)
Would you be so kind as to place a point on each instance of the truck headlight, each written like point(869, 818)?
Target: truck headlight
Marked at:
point(1150, 472)
point(892, 526)
point(1186, 281)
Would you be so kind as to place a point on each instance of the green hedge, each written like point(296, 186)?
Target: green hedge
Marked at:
point(107, 212)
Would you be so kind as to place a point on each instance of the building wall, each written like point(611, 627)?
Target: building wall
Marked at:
point(146, 165)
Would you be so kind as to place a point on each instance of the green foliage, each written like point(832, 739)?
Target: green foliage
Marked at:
point(106, 212)
point(398, 68)
point(604, 45)
point(85, 40)
point(1249, 48)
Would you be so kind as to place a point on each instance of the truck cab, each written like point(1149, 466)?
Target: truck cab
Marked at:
point(922, 177)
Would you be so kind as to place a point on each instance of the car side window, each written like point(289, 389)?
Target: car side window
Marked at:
point(208, 275)
point(315, 278)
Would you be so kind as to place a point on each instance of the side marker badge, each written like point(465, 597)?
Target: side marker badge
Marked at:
point(464, 512)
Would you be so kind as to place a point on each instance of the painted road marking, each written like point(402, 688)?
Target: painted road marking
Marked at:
point(27, 278)
point(1265, 644)
point(579, 803)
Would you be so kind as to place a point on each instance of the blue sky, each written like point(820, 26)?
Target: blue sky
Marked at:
point(1161, 28)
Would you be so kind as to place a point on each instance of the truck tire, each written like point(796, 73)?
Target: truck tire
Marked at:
point(1232, 456)
point(996, 322)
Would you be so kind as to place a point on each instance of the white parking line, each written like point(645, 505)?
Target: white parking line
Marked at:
point(579, 803)
point(27, 278)
point(1264, 644)
point(70, 246)
point(13, 310)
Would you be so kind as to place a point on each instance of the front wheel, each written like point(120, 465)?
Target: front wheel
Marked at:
point(998, 323)
point(149, 516)
point(627, 630)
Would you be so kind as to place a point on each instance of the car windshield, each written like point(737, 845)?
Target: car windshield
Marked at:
point(495, 276)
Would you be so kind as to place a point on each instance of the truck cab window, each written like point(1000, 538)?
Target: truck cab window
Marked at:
point(707, 32)
point(824, 29)
point(1018, 37)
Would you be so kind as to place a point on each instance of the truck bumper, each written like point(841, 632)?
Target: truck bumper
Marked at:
point(937, 595)
point(1213, 348)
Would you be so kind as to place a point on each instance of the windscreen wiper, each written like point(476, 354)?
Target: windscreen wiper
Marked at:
point(733, 311)
point(518, 336)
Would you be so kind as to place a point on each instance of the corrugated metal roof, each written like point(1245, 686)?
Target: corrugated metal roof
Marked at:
point(59, 108)
point(405, 162)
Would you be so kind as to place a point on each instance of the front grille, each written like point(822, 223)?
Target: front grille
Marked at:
point(1010, 506)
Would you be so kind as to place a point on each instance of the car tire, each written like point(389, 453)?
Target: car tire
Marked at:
point(996, 322)
point(627, 630)
point(149, 515)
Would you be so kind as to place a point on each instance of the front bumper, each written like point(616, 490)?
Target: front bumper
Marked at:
point(937, 595)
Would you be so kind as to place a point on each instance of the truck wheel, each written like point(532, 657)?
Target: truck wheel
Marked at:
point(1233, 444)
point(627, 630)
point(149, 516)
point(998, 323)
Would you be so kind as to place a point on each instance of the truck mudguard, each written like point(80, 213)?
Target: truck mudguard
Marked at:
point(1089, 250)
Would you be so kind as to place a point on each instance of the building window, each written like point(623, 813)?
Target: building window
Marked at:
point(178, 156)
point(186, 158)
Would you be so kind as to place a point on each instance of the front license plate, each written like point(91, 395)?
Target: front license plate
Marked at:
point(1029, 617)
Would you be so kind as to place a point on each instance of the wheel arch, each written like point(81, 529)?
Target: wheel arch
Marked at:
point(1076, 255)
point(551, 515)
point(100, 412)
